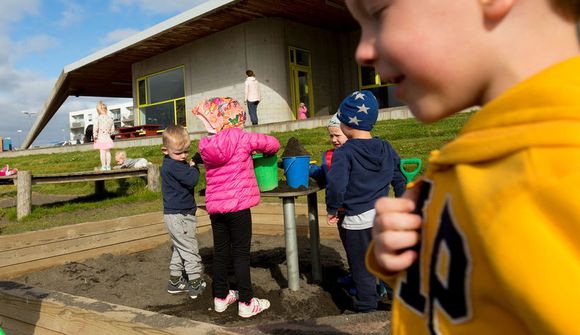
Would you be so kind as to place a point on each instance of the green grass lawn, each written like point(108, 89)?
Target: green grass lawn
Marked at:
point(128, 197)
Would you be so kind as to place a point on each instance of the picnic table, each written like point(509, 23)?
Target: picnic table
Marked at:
point(136, 131)
point(289, 209)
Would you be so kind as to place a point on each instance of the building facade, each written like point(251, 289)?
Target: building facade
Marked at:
point(293, 62)
point(300, 51)
point(122, 115)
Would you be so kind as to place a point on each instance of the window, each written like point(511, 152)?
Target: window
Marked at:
point(369, 80)
point(161, 98)
point(116, 113)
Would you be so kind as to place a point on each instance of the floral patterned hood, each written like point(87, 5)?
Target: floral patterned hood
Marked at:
point(220, 113)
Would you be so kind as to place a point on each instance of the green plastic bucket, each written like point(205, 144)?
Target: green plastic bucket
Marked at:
point(266, 171)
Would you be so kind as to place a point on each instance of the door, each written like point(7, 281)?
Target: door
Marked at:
point(301, 81)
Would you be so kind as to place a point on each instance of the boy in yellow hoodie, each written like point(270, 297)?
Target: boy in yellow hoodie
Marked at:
point(487, 242)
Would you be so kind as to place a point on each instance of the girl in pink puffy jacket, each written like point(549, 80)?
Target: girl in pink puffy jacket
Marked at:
point(231, 191)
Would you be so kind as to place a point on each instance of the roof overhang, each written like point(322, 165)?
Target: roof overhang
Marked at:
point(107, 73)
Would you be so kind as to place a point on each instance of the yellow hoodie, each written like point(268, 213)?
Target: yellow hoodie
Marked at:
point(500, 250)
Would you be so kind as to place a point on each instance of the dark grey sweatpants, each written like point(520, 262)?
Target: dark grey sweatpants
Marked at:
point(185, 256)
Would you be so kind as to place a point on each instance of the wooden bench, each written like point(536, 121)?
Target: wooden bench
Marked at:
point(25, 179)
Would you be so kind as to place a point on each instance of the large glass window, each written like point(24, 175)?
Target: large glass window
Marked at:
point(369, 80)
point(161, 98)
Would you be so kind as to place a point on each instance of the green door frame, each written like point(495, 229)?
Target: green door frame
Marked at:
point(295, 84)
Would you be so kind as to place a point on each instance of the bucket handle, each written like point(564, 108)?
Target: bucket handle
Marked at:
point(286, 168)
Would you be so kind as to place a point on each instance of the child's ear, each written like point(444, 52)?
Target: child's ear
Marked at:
point(495, 10)
point(164, 150)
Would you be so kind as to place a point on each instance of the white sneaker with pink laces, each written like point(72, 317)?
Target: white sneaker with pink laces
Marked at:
point(220, 305)
point(254, 307)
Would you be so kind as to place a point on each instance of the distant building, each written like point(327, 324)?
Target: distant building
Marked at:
point(122, 115)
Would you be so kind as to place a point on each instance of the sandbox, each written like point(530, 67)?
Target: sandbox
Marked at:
point(28, 307)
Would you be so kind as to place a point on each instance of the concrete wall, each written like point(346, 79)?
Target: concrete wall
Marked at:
point(216, 65)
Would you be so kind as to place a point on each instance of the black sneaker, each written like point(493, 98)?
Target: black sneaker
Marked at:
point(178, 287)
point(196, 287)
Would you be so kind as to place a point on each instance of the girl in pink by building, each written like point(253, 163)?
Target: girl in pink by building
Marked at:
point(302, 111)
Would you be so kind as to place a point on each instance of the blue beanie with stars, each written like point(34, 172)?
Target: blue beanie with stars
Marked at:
point(359, 110)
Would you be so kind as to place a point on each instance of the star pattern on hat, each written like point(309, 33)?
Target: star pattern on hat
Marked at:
point(359, 95)
point(363, 109)
point(353, 120)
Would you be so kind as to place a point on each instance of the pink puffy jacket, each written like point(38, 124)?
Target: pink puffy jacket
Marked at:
point(227, 157)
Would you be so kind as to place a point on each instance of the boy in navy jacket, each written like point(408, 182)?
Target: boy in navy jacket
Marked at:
point(179, 178)
point(362, 171)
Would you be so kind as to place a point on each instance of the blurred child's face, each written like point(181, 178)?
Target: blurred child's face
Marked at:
point(337, 137)
point(430, 48)
point(119, 160)
point(176, 152)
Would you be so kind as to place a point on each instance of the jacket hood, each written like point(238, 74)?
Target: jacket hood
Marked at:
point(541, 111)
point(218, 149)
point(372, 154)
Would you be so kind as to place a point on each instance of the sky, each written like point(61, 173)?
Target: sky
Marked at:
point(38, 38)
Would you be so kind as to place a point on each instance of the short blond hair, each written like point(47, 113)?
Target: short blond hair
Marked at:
point(176, 135)
point(121, 154)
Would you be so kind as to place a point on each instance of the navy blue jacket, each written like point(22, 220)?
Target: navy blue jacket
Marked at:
point(362, 170)
point(178, 181)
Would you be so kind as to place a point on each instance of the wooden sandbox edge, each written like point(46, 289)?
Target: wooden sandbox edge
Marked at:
point(139, 233)
point(25, 310)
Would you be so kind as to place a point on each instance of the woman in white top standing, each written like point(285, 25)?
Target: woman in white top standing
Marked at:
point(253, 96)
point(102, 131)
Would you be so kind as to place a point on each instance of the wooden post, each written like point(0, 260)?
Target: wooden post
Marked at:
point(23, 194)
point(153, 177)
point(99, 186)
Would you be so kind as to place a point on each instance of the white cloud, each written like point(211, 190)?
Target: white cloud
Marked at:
point(117, 35)
point(19, 89)
point(34, 44)
point(155, 6)
point(14, 10)
point(72, 14)
point(22, 89)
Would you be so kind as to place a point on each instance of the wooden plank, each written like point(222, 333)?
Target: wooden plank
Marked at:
point(8, 180)
point(67, 314)
point(48, 250)
point(32, 251)
point(68, 232)
point(104, 175)
point(14, 271)
point(273, 230)
point(17, 327)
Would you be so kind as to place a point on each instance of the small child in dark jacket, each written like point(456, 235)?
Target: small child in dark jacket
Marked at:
point(179, 178)
point(362, 171)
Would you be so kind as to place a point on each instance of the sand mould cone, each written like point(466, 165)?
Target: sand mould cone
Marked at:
point(296, 161)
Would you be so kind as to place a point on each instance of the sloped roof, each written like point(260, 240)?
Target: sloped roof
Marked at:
point(107, 73)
